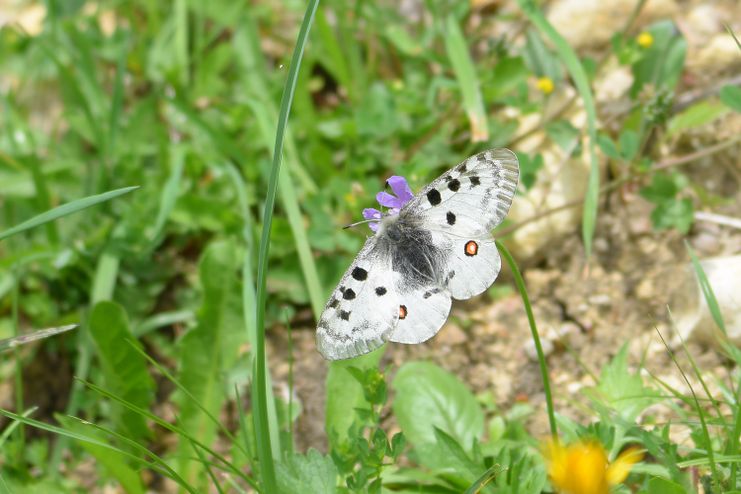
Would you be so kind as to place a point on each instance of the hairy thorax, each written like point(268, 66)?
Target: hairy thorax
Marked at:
point(411, 249)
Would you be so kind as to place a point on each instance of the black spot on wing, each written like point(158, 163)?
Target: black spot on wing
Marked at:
point(380, 291)
point(434, 197)
point(462, 168)
point(333, 303)
point(475, 181)
point(349, 294)
point(359, 273)
point(450, 217)
point(345, 315)
point(454, 185)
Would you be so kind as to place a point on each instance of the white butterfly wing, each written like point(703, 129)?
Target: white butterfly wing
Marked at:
point(422, 312)
point(460, 209)
point(363, 309)
point(477, 193)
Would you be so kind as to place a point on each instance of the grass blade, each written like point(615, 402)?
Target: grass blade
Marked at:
point(536, 337)
point(259, 398)
point(465, 73)
point(64, 210)
point(579, 76)
point(10, 343)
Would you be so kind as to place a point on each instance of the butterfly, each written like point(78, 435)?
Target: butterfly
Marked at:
point(427, 249)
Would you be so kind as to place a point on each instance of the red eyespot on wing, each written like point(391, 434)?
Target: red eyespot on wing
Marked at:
point(402, 312)
point(471, 248)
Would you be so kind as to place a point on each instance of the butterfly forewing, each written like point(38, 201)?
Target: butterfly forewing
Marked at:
point(472, 198)
point(363, 309)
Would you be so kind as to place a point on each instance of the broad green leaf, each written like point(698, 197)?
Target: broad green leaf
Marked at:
point(622, 390)
point(345, 394)
point(465, 73)
point(696, 116)
point(114, 463)
point(124, 369)
point(427, 397)
point(311, 472)
point(608, 146)
point(731, 97)
point(64, 210)
point(208, 350)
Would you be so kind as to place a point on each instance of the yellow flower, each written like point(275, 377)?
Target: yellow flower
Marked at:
point(645, 40)
point(545, 84)
point(582, 468)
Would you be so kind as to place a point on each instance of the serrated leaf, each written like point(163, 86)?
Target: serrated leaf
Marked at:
point(124, 369)
point(312, 472)
point(621, 389)
point(207, 350)
point(427, 397)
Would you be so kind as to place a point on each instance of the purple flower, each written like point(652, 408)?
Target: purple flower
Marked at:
point(403, 194)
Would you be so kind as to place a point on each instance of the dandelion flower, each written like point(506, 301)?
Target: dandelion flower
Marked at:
point(582, 467)
point(545, 84)
point(645, 40)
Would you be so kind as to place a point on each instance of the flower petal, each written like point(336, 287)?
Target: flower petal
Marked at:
point(620, 468)
point(401, 188)
point(371, 214)
point(374, 226)
point(386, 199)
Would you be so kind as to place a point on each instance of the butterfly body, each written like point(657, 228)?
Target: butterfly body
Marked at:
point(435, 248)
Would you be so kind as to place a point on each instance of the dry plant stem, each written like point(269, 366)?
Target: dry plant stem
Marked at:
point(617, 183)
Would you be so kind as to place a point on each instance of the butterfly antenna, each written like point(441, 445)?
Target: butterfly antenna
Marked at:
point(358, 223)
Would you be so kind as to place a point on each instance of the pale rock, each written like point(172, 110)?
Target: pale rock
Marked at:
point(692, 317)
point(718, 55)
point(532, 354)
point(592, 24)
point(451, 335)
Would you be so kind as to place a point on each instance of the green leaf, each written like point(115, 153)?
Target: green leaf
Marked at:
point(663, 187)
point(622, 390)
point(658, 485)
point(629, 143)
point(124, 369)
point(114, 463)
point(677, 213)
point(707, 290)
point(507, 75)
point(312, 472)
point(465, 74)
point(345, 394)
point(608, 146)
point(208, 350)
point(695, 116)
point(427, 397)
point(731, 97)
point(662, 63)
point(64, 210)
point(564, 134)
point(529, 168)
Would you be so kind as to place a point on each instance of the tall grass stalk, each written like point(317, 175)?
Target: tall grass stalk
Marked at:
point(259, 401)
point(536, 336)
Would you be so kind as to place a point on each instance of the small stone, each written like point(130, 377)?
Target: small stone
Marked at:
point(532, 354)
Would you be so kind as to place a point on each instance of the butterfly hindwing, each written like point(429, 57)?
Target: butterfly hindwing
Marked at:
point(471, 266)
point(422, 312)
point(363, 309)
